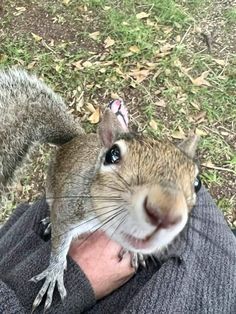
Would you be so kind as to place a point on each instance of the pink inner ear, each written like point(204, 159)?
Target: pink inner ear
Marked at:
point(118, 108)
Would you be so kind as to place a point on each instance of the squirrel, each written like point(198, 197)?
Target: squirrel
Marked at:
point(138, 190)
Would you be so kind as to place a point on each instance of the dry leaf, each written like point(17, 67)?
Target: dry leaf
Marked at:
point(87, 64)
point(94, 35)
point(80, 102)
point(94, 118)
point(109, 42)
point(142, 15)
point(115, 96)
point(196, 106)
point(31, 65)
point(220, 62)
point(153, 124)
point(20, 10)
point(178, 134)
point(166, 48)
point(78, 65)
point(201, 81)
point(161, 103)
point(134, 49)
point(66, 2)
point(106, 8)
point(208, 164)
point(36, 37)
point(139, 75)
point(91, 108)
point(200, 132)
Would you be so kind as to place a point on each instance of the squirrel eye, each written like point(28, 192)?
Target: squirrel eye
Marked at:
point(197, 184)
point(113, 155)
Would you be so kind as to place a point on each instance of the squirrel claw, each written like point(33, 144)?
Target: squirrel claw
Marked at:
point(136, 258)
point(53, 276)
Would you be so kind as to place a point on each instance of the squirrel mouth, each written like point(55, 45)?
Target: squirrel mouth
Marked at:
point(138, 243)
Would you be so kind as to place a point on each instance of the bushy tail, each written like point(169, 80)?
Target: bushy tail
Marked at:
point(29, 112)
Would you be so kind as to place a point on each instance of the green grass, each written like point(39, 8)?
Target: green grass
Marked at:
point(169, 76)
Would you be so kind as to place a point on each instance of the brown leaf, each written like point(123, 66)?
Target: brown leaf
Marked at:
point(142, 15)
point(109, 42)
point(94, 118)
point(91, 108)
point(78, 65)
point(94, 35)
point(139, 75)
point(201, 80)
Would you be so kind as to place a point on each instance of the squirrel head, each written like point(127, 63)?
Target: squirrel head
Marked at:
point(146, 187)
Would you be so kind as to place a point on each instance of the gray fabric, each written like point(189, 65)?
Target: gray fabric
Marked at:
point(199, 277)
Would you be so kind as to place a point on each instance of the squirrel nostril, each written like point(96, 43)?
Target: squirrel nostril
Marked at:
point(152, 213)
point(156, 218)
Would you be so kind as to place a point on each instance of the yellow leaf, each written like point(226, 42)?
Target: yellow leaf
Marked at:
point(134, 49)
point(36, 37)
point(153, 124)
point(66, 2)
point(200, 81)
point(142, 15)
point(109, 42)
point(94, 118)
point(106, 8)
point(94, 35)
point(91, 108)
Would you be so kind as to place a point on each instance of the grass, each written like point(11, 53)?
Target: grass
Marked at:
point(148, 61)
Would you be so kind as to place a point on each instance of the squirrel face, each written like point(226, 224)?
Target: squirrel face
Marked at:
point(146, 189)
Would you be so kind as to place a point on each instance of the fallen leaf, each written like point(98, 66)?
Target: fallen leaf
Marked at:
point(109, 42)
point(134, 49)
point(166, 48)
point(142, 15)
point(178, 134)
point(66, 2)
point(94, 35)
point(153, 124)
point(91, 108)
point(201, 80)
point(114, 96)
point(160, 103)
point(36, 37)
point(139, 75)
point(106, 8)
point(20, 10)
point(196, 106)
point(87, 64)
point(94, 118)
point(78, 65)
point(208, 164)
point(80, 102)
point(200, 132)
point(31, 65)
point(220, 62)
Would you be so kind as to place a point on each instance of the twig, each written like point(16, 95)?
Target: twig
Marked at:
point(186, 33)
point(218, 168)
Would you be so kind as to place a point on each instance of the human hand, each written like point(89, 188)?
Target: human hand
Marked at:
point(97, 256)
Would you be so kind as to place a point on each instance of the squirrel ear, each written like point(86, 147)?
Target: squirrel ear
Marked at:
point(189, 145)
point(109, 128)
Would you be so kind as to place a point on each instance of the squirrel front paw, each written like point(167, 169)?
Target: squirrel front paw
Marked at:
point(136, 258)
point(53, 276)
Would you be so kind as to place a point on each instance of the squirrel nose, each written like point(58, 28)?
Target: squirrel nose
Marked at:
point(157, 218)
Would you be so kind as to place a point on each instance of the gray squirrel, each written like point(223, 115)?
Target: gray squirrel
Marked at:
point(138, 190)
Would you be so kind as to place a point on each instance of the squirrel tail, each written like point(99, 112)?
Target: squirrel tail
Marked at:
point(29, 112)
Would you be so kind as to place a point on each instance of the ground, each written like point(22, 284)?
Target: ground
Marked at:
point(173, 62)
